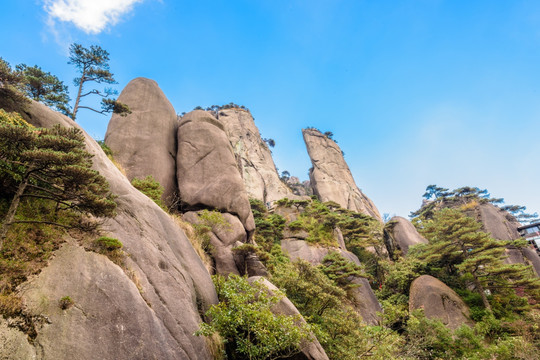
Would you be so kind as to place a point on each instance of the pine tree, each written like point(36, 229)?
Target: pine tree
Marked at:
point(44, 87)
point(93, 66)
point(458, 244)
point(53, 165)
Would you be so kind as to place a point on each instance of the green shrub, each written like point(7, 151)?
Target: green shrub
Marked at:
point(108, 243)
point(66, 302)
point(107, 150)
point(151, 188)
point(13, 118)
point(244, 320)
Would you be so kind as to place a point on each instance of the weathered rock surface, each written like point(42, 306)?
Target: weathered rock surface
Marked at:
point(253, 156)
point(503, 226)
point(144, 142)
point(207, 173)
point(366, 303)
point(310, 350)
point(499, 223)
point(223, 238)
point(299, 188)
point(14, 343)
point(172, 278)
point(399, 234)
point(107, 306)
point(331, 178)
point(300, 249)
point(438, 302)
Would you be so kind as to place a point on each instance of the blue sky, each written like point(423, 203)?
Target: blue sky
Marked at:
point(415, 92)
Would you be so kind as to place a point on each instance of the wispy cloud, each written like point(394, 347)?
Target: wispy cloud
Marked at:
point(91, 16)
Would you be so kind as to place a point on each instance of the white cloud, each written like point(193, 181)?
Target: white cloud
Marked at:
point(91, 16)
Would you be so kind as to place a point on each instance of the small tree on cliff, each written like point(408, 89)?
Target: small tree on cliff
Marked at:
point(93, 66)
point(52, 165)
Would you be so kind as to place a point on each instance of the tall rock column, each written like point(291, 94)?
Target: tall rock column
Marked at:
point(144, 142)
point(330, 176)
point(253, 156)
point(208, 178)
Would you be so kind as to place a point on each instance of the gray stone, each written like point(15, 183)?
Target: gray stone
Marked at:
point(438, 301)
point(207, 173)
point(400, 234)
point(253, 157)
point(14, 343)
point(331, 178)
point(499, 223)
point(144, 142)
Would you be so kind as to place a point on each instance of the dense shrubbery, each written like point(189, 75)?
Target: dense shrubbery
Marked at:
point(245, 321)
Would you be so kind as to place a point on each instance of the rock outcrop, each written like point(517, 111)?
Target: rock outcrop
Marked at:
point(253, 156)
point(503, 226)
point(144, 142)
point(365, 301)
point(438, 302)
point(399, 234)
point(207, 173)
point(499, 223)
point(311, 350)
point(152, 313)
point(330, 176)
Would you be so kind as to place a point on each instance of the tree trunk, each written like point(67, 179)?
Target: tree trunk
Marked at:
point(78, 99)
point(13, 208)
point(482, 294)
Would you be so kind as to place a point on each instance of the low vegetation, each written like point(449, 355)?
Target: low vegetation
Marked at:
point(151, 188)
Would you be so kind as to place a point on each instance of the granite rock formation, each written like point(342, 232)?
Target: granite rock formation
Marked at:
point(330, 176)
point(144, 142)
point(150, 308)
point(207, 173)
point(438, 302)
point(253, 156)
point(399, 234)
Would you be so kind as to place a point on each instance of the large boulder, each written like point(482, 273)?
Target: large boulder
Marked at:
point(400, 234)
point(365, 301)
point(330, 176)
point(253, 156)
point(147, 309)
point(311, 350)
point(438, 302)
point(207, 173)
point(144, 142)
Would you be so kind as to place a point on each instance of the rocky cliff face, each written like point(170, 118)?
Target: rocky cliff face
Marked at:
point(144, 142)
point(330, 176)
point(151, 307)
point(399, 234)
point(253, 156)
